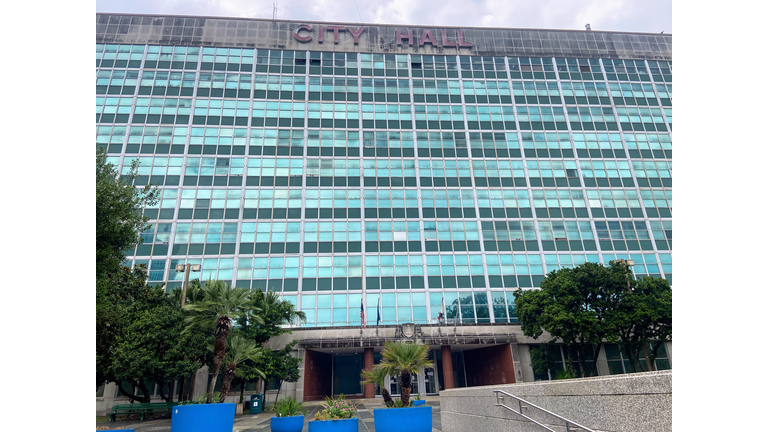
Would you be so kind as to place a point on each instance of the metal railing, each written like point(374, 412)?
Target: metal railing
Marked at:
point(569, 425)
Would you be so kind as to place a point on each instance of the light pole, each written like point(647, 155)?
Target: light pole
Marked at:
point(627, 263)
point(186, 268)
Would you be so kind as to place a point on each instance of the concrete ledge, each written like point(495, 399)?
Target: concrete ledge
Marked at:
point(629, 403)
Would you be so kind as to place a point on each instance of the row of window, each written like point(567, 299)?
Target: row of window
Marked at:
point(632, 69)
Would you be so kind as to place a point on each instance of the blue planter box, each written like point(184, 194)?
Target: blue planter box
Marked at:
point(286, 424)
point(416, 419)
point(346, 425)
point(203, 418)
point(419, 402)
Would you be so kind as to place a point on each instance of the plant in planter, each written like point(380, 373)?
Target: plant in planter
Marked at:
point(418, 401)
point(289, 416)
point(403, 359)
point(377, 376)
point(338, 415)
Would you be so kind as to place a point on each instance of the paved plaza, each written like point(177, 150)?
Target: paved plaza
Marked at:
point(260, 422)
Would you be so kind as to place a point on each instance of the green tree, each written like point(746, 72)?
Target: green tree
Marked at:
point(119, 223)
point(642, 318)
point(590, 304)
point(119, 218)
point(571, 306)
point(154, 348)
point(377, 376)
point(542, 361)
point(263, 319)
point(279, 365)
point(266, 314)
point(215, 313)
point(239, 350)
point(404, 359)
point(118, 299)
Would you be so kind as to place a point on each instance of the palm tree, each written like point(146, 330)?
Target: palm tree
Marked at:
point(239, 350)
point(404, 359)
point(270, 303)
point(377, 376)
point(219, 306)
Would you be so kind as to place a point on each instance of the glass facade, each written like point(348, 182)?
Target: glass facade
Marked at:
point(397, 181)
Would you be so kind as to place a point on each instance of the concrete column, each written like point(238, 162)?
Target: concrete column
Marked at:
point(447, 367)
point(370, 389)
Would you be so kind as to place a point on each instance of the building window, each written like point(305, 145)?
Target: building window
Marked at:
point(618, 363)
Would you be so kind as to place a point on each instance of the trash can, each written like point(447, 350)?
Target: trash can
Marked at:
point(255, 404)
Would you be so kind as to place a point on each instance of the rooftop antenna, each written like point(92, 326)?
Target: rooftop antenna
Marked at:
point(274, 9)
point(588, 27)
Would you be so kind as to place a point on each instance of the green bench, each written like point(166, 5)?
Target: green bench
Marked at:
point(142, 408)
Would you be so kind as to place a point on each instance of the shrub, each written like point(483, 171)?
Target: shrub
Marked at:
point(288, 407)
point(336, 409)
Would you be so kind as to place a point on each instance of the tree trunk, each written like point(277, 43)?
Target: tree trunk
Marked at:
point(387, 398)
point(242, 391)
point(191, 391)
point(160, 385)
point(130, 396)
point(182, 382)
point(229, 375)
point(647, 357)
point(405, 388)
point(279, 386)
point(145, 392)
point(219, 349)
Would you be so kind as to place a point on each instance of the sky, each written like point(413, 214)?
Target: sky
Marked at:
point(649, 16)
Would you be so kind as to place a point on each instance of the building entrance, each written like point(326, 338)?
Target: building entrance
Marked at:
point(346, 374)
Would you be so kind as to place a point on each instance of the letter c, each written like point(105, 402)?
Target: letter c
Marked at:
point(302, 38)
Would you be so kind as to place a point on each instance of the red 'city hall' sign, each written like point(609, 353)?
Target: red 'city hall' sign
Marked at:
point(303, 33)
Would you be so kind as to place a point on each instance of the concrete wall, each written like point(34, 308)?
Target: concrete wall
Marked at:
point(628, 403)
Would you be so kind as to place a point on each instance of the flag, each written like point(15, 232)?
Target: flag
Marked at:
point(378, 317)
point(362, 313)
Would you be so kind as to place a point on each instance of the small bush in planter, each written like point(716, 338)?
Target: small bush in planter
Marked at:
point(288, 407)
point(289, 416)
point(336, 409)
point(338, 415)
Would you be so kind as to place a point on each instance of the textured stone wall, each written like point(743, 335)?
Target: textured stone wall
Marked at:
point(639, 402)
point(253, 33)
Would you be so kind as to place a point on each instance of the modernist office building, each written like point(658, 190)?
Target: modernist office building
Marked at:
point(395, 166)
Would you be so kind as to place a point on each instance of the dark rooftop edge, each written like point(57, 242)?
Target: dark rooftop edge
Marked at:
point(378, 24)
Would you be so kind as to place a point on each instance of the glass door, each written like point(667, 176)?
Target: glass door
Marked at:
point(430, 383)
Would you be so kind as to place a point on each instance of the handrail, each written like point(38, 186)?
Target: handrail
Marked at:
point(520, 402)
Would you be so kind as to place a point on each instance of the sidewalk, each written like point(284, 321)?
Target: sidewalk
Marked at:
point(260, 422)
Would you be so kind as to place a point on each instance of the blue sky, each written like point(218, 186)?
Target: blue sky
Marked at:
point(651, 16)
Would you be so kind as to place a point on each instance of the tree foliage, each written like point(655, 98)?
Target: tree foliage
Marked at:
point(263, 318)
point(404, 359)
point(239, 350)
point(378, 376)
point(590, 304)
point(153, 347)
point(120, 292)
point(214, 313)
point(643, 318)
point(119, 219)
point(278, 364)
point(119, 299)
